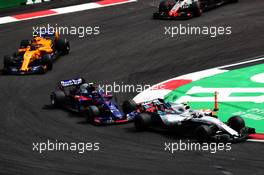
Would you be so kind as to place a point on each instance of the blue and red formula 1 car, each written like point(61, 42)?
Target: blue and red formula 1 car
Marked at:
point(78, 96)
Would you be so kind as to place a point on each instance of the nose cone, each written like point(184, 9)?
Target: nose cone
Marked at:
point(26, 60)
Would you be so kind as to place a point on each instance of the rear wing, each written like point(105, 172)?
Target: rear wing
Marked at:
point(71, 82)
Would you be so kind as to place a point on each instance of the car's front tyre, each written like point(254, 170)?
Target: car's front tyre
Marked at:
point(91, 113)
point(203, 133)
point(129, 106)
point(236, 122)
point(8, 61)
point(47, 61)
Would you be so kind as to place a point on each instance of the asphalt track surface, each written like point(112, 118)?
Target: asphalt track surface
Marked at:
point(132, 49)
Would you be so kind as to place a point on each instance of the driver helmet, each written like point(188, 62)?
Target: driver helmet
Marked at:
point(35, 39)
point(91, 87)
point(161, 107)
point(35, 34)
point(83, 88)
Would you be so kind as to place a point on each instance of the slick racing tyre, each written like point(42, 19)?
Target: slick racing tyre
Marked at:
point(129, 106)
point(197, 9)
point(63, 46)
point(8, 61)
point(24, 43)
point(92, 112)
point(236, 122)
point(47, 61)
point(57, 98)
point(142, 121)
point(164, 7)
point(203, 133)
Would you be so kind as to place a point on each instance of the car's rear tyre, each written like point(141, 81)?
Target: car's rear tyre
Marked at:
point(236, 122)
point(203, 133)
point(63, 46)
point(24, 43)
point(47, 61)
point(142, 121)
point(129, 106)
point(197, 9)
point(164, 7)
point(91, 113)
point(57, 98)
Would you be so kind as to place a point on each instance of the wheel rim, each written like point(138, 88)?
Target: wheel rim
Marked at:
point(199, 4)
point(52, 100)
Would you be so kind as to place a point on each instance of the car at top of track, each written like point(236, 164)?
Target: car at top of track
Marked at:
point(203, 124)
point(97, 106)
point(36, 56)
point(185, 9)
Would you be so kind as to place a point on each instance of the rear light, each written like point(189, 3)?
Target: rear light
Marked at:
point(173, 13)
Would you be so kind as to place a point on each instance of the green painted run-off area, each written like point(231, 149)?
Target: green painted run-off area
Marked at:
point(241, 92)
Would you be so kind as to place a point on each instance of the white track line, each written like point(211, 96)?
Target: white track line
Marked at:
point(240, 63)
point(62, 10)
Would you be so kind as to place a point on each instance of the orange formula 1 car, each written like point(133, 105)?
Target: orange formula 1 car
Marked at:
point(36, 56)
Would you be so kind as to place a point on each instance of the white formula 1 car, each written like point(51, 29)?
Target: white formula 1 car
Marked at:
point(201, 123)
point(185, 9)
